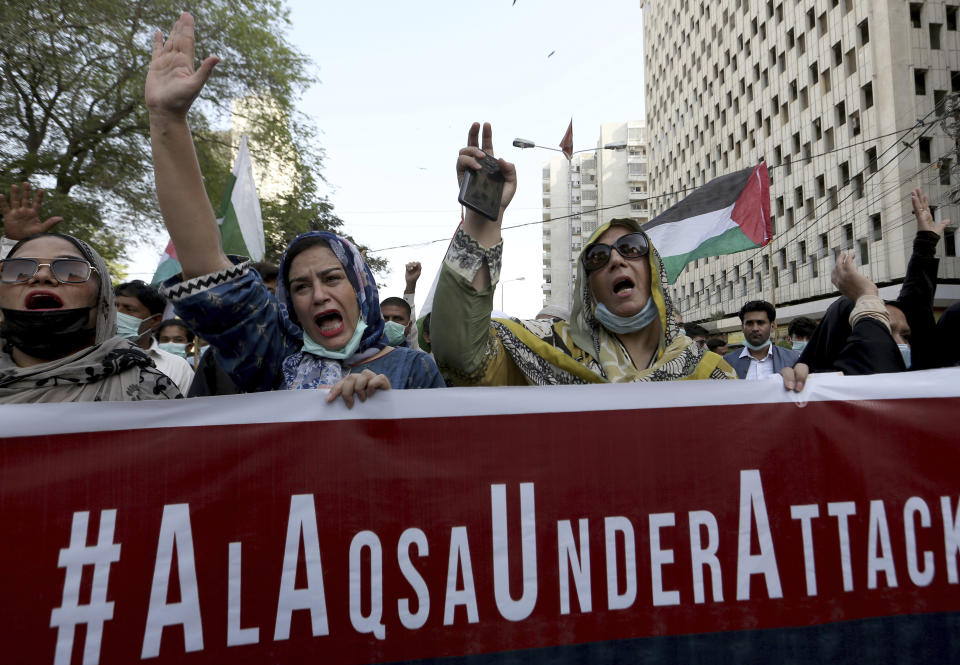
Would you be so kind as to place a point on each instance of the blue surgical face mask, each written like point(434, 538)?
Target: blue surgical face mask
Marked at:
point(396, 332)
point(176, 348)
point(626, 324)
point(310, 346)
point(799, 346)
point(756, 347)
point(905, 352)
point(128, 326)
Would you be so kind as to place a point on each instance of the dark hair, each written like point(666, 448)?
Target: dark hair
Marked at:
point(266, 269)
point(801, 327)
point(295, 250)
point(695, 330)
point(148, 296)
point(180, 323)
point(715, 343)
point(759, 306)
point(396, 302)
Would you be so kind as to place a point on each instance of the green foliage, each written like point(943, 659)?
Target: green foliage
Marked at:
point(75, 123)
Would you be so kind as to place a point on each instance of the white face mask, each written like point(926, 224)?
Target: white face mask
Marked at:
point(905, 352)
point(128, 326)
point(176, 348)
point(799, 346)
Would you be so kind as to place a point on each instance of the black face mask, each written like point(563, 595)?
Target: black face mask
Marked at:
point(48, 335)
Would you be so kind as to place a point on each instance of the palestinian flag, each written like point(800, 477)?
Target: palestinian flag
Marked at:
point(241, 226)
point(728, 214)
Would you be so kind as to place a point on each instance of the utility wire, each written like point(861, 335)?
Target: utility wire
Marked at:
point(920, 123)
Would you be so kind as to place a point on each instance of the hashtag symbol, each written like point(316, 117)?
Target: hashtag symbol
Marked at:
point(71, 613)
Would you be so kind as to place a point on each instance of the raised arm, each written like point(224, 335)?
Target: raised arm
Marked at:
point(172, 86)
point(460, 320)
point(478, 227)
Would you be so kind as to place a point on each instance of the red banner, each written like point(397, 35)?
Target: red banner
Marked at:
point(685, 522)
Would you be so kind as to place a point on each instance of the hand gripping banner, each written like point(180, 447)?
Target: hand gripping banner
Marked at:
point(688, 522)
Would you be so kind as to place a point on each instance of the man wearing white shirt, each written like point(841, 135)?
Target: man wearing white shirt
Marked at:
point(139, 312)
point(760, 358)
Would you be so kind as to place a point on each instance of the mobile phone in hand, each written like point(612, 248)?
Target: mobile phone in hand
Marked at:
point(482, 190)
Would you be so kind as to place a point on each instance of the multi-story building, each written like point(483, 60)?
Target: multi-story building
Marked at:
point(590, 189)
point(843, 99)
point(274, 172)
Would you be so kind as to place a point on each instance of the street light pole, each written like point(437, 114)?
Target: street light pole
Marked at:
point(571, 264)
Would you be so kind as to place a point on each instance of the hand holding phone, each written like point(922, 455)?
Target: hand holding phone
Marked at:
point(482, 190)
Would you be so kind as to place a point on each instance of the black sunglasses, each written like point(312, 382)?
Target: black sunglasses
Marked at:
point(65, 271)
point(630, 246)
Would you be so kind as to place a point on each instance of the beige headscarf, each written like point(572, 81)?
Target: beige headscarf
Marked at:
point(112, 369)
point(677, 356)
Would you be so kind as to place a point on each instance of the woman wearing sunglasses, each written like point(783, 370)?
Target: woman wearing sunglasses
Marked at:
point(57, 338)
point(622, 327)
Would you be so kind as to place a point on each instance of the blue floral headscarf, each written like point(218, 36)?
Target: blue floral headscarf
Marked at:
point(361, 279)
point(303, 370)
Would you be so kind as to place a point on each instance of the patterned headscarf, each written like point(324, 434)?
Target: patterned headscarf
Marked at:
point(677, 355)
point(361, 279)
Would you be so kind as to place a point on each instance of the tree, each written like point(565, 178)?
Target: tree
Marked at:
point(75, 123)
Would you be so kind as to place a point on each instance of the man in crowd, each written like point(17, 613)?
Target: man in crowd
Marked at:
point(799, 332)
point(718, 345)
point(139, 312)
point(269, 272)
point(760, 358)
point(697, 333)
point(401, 311)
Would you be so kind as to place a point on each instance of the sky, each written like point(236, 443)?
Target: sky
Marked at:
point(400, 84)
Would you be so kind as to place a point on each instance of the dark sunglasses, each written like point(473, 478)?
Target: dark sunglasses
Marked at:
point(630, 246)
point(65, 271)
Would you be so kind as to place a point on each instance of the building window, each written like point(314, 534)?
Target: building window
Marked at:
point(915, 14)
point(871, 155)
point(876, 228)
point(950, 242)
point(945, 165)
point(866, 96)
point(863, 253)
point(851, 59)
point(837, 55)
point(951, 17)
point(920, 81)
point(924, 146)
point(841, 110)
point(935, 36)
point(863, 32)
point(847, 236)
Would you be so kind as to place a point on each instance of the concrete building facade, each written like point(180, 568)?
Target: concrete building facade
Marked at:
point(842, 99)
point(579, 195)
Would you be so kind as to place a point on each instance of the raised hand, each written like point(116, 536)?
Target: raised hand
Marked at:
point(921, 208)
point(21, 216)
point(172, 83)
point(850, 282)
point(412, 274)
point(469, 159)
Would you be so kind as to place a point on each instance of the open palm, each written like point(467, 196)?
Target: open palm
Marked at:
point(172, 82)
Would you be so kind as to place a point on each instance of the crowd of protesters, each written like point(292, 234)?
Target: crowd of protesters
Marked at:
point(316, 319)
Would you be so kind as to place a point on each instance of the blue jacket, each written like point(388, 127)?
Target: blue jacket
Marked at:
point(781, 358)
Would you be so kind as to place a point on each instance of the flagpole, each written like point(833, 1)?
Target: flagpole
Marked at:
point(773, 290)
